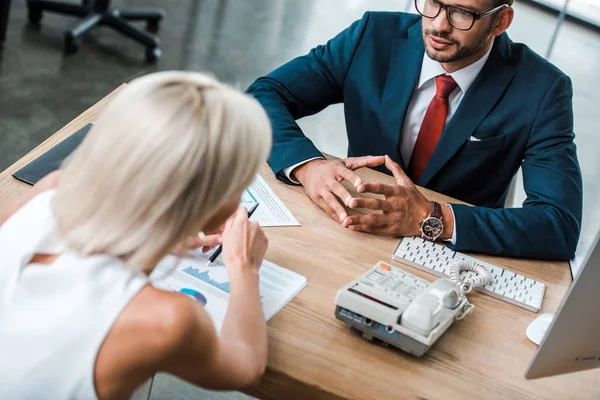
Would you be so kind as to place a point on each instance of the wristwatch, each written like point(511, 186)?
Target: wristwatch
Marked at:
point(432, 226)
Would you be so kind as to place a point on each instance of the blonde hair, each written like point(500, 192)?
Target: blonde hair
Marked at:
point(166, 153)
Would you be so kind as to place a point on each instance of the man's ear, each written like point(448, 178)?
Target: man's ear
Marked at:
point(502, 21)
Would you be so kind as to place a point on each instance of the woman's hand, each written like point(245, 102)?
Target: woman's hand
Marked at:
point(244, 245)
point(206, 242)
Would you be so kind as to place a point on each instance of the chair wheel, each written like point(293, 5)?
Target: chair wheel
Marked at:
point(71, 45)
point(35, 16)
point(153, 54)
point(152, 25)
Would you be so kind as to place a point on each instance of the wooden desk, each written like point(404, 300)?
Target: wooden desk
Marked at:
point(313, 356)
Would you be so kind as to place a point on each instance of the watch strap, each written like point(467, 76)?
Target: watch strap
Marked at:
point(436, 210)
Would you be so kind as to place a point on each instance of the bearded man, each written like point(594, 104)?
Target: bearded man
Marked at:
point(447, 101)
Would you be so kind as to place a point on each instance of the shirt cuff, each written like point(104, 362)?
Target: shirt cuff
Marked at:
point(288, 171)
point(452, 241)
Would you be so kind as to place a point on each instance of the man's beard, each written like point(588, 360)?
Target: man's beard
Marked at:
point(461, 51)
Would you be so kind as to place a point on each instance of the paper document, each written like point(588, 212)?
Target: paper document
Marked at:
point(210, 285)
point(271, 211)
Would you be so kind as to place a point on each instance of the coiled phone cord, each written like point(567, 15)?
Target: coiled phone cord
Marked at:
point(466, 285)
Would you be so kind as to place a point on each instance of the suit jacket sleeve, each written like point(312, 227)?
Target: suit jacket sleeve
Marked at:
point(549, 223)
point(303, 87)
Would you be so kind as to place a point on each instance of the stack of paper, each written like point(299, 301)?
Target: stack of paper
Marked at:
point(271, 211)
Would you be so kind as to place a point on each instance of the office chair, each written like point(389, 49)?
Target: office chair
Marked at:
point(99, 12)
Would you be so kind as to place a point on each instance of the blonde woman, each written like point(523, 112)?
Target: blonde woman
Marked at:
point(167, 159)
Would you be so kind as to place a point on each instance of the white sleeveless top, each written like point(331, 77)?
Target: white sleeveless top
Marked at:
point(54, 318)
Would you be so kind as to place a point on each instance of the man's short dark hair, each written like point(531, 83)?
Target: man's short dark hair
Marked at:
point(498, 3)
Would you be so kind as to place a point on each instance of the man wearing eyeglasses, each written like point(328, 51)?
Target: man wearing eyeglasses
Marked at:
point(450, 103)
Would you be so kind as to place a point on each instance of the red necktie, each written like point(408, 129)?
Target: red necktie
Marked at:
point(432, 127)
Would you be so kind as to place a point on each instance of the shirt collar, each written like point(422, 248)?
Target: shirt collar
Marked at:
point(464, 77)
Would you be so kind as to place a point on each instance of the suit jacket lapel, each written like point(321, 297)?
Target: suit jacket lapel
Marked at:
point(477, 103)
point(403, 75)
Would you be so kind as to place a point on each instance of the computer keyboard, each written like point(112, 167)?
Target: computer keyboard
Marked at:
point(505, 285)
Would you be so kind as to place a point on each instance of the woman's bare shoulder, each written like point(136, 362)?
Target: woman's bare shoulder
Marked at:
point(149, 332)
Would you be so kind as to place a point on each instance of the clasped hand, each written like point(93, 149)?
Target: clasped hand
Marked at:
point(401, 210)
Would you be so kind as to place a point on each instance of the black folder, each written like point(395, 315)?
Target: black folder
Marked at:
point(52, 159)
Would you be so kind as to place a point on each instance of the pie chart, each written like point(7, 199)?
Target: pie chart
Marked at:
point(196, 295)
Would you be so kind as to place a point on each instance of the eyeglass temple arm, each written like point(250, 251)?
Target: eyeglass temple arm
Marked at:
point(492, 11)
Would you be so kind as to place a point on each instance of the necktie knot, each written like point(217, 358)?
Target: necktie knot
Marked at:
point(444, 85)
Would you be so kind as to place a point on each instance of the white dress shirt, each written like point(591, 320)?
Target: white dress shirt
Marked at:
point(421, 97)
point(424, 93)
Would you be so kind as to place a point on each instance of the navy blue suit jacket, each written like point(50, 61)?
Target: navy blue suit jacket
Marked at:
point(520, 107)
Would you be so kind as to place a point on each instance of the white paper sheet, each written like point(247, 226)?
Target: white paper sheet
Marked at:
point(210, 285)
point(271, 211)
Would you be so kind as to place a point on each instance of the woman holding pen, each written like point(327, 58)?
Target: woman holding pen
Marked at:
point(168, 158)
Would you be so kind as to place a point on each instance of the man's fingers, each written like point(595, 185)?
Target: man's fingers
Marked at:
point(341, 192)
point(371, 219)
point(398, 173)
point(369, 228)
point(379, 188)
point(371, 204)
point(337, 211)
point(354, 163)
point(323, 205)
point(349, 175)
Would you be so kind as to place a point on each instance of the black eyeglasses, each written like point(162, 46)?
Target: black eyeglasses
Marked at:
point(457, 17)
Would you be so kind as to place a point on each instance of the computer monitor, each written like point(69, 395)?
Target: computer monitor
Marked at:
point(572, 342)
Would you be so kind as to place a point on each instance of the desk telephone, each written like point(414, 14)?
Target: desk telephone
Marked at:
point(401, 309)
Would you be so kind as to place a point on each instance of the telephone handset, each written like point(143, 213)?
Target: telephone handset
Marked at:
point(425, 311)
point(401, 309)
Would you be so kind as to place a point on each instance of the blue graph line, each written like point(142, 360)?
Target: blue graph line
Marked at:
point(252, 197)
point(203, 276)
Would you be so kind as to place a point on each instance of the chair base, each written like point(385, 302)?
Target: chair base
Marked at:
point(99, 13)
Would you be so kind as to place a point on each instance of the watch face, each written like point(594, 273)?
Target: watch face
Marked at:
point(432, 228)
